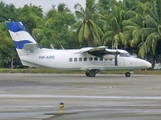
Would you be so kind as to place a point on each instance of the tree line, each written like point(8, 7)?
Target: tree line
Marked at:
point(133, 25)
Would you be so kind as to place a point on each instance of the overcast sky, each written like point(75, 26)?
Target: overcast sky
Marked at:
point(45, 4)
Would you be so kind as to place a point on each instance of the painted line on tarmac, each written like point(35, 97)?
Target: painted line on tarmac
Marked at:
point(79, 97)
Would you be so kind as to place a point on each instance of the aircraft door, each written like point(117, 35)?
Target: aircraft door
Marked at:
point(109, 60)
point(121, 61)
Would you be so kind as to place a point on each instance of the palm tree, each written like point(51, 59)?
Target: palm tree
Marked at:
point(63, 8)
point(153, 24)
point(146, 28)
point(113, 32)
point(56, 27)
point(86, 27)
point(133, 24)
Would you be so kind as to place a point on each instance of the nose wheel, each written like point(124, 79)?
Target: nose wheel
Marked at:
point(127, 74)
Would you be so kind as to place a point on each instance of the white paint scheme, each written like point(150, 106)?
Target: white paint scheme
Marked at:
point(90, 59)
point(59, 59)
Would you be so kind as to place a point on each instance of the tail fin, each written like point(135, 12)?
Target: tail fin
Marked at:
point(23, 41)
point(19, 34)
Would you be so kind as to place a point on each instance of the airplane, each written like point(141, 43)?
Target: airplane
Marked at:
point(90, 59)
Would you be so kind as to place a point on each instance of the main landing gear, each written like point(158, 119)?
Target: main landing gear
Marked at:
point(91, 73)
point(128, 74)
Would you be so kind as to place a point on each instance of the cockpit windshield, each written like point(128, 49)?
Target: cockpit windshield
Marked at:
point(124, 55)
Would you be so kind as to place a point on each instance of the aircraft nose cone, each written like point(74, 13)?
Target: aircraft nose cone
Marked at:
point(148, 64)
point(145, 64)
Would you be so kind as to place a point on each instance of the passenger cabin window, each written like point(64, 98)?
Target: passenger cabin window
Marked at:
point(70, 59)
point(101, 59)
point(80, 59)
point(75, 59)
point(90, 59)
point(95, 58)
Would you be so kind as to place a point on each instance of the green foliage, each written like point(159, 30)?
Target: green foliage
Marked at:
point(56, 29)
point(86, 26)
point(7, 50)
point(31, 17)
point(113, 32)
point(107, 4)
point(145, 26)
point(7, 12)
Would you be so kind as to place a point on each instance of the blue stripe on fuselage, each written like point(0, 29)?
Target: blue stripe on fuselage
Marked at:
point(15, 26)
point(20, 44)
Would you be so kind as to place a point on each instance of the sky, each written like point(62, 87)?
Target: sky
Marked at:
point(46, 4)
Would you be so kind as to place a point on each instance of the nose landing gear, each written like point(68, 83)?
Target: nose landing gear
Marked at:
point(127, 74)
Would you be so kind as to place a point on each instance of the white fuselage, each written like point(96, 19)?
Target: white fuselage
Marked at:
point(73, 60)
point(90, 59)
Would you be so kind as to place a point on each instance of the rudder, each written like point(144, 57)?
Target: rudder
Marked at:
point(19, 34)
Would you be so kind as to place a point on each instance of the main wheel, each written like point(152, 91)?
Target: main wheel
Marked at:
point(87, 74)
point(127, 74)
point(91, 74)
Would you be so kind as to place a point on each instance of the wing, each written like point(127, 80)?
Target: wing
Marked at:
point(91, 49)
point(100, 51)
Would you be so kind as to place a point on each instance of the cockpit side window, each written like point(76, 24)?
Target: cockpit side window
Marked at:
point(124, 55)
point(127, 55)
point(121, 54)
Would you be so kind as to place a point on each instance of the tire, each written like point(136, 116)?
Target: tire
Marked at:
point(127, 74)
point(87, 74)
point(91, 74)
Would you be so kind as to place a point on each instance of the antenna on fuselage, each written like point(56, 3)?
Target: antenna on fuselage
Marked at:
point(62, 47)
point(51, 46)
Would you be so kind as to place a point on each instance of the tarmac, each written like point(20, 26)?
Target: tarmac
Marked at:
point(104, 97)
